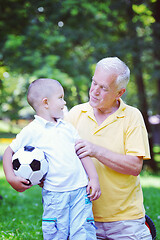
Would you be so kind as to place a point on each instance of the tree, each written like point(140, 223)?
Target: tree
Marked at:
point(155, 6)
point(138, 49)
point(64, 40)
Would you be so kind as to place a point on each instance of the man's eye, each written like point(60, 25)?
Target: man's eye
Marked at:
point(105, 89)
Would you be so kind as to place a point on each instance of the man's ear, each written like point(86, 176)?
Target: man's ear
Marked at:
point(45, 102)
point(121, 92)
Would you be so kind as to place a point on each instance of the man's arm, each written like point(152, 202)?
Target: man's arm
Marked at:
point(17, 183)
point(125, 164)
point(93, 184)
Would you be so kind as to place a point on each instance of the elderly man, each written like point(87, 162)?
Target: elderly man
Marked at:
point(115, 136)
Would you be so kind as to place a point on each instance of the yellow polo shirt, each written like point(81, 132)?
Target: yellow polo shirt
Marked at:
point(123, 132)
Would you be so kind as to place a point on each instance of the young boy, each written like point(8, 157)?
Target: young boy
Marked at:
point(66, 192)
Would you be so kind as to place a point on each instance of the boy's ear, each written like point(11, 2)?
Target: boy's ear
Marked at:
point(45, 102)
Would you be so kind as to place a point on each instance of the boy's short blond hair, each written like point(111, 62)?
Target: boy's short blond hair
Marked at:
point(40, 89)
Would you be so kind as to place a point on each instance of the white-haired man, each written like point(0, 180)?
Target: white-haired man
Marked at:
point(115, 137)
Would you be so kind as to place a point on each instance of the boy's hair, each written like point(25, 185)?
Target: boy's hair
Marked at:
point(39, 89)
point(119, 67)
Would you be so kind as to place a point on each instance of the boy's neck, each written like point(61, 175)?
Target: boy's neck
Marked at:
point(47, 118)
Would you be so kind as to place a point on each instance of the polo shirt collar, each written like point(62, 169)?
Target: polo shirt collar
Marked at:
point(118, 113)
point(46, 123)
point(121, 110)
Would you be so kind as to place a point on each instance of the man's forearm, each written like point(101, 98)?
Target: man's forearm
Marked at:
point(125, 164)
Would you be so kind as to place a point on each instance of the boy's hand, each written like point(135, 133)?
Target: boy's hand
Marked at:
point(41, 184)
point(19, 184)
point(93, 189)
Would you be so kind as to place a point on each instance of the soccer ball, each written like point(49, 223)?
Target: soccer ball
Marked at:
point(30, 163)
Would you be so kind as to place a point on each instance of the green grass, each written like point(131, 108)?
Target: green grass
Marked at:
point(21, 212)
point(151, 191)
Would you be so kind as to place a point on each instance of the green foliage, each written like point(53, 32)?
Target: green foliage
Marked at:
point(14, 96)
point(63, 39)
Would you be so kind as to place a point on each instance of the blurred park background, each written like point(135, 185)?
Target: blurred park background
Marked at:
point(64, 39)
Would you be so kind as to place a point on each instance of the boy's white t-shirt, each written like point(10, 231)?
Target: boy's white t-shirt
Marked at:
point(66, 171)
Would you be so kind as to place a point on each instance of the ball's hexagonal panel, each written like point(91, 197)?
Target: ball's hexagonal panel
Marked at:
point(44, 166)
point(34, 176)
point(24, 171)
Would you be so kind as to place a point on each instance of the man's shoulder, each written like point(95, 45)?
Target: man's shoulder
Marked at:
point(133, 113)
point(132, 110)
point(81, 107)
point(73, 115)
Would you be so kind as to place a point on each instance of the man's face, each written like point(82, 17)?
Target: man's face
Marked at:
point(103, 92)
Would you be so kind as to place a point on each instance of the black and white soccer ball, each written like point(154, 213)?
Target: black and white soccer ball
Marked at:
point(30, 163)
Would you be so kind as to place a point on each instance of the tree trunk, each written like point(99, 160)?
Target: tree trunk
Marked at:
point(144, 107)
point(155, 6)
point(137, 65)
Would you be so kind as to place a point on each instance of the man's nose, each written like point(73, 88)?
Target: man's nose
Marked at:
point(96, 90)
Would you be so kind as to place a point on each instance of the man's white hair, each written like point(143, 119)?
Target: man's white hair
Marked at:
point(118, 68)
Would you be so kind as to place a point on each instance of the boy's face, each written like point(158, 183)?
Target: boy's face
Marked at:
point(56, 104)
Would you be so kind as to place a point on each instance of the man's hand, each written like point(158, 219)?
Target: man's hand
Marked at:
point(84, 148)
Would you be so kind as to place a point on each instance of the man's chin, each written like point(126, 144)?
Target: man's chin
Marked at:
point(93, 104)
point(90, 103)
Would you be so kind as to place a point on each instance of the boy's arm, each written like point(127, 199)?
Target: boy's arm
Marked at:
point(17, 183)
point(93, 184)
